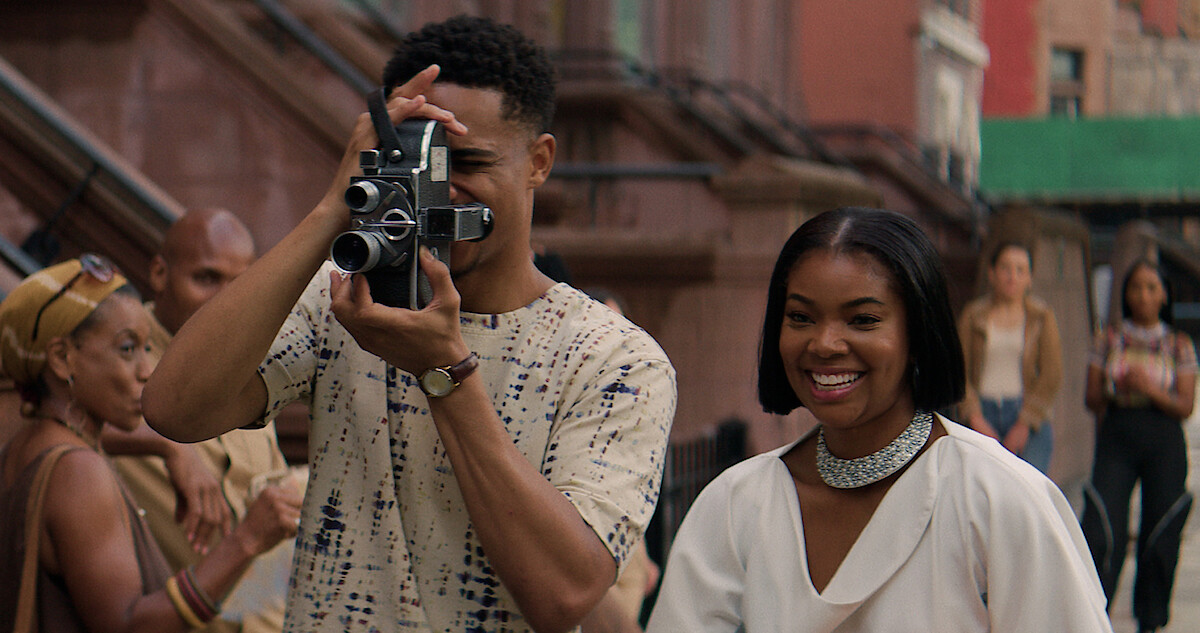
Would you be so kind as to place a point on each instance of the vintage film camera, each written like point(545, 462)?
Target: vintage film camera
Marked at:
point(402, 202)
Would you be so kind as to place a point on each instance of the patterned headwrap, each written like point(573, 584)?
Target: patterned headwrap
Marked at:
point(48, 304)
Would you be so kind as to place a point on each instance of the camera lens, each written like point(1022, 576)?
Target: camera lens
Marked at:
point(362, 196)
point(354, 252)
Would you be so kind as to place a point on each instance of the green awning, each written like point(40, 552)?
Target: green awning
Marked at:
point(1090, 160)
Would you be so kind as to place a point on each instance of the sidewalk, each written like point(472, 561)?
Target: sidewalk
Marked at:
point(1185, 606)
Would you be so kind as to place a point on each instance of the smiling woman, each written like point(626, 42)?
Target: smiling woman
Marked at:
point(886, 516)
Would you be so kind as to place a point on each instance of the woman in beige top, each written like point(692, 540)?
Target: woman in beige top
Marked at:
point(1014, 359)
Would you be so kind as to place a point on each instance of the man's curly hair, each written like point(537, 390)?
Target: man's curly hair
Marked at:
point(476, 52)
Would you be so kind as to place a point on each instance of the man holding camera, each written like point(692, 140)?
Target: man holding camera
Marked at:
point(485, 463)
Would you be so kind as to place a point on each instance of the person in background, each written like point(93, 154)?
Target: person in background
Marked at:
point(74, 553)
point(885, 516)
point(607, 297)
point(201, 253)
point(486, 463)
point(552, 264)
point(1013, 359)
point(1141, 384)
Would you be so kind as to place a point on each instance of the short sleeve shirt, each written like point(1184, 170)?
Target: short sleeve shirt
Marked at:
point(385, 543)
point(1163, 352)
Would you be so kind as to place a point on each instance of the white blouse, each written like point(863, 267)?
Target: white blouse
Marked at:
point(969, 538)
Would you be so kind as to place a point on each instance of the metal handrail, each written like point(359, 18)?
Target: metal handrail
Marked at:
point(378, 18)
point(680, 86)
point(903, 148)
point(309, 39)
point(30, 98)
point(18, 259)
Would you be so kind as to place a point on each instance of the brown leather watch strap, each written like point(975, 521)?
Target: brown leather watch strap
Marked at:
point(438, 382)
point(463, 368)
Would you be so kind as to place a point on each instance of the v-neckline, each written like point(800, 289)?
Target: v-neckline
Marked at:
point(893, 532)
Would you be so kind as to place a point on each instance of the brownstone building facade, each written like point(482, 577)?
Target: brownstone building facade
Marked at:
point(693, 136)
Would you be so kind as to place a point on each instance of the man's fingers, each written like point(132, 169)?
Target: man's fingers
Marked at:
point(419, 108)
point(222, 515)
point(438, 274)
point(205, 524)
point(419, 83)
point(337, 286)
point(342, 298)
point(200, 540)
point(349, 292)
point(350, 298)
point(190, 522)
point(400, 109)
point(360, 290)
point(409, 101)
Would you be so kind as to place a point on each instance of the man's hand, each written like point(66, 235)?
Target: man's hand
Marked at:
point(407, 101)
point(199, 501)
point(273, 516)
point(411, 340)
point(190, 401)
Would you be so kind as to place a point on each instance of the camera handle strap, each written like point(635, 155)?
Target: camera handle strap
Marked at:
point(389, 141)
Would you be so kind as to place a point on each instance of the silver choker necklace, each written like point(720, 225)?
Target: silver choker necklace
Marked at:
point(864, 471)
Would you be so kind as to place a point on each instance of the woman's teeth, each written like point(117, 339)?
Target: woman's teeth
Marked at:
point(834, 381)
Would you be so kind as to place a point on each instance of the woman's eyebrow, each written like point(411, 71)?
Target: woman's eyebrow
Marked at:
point(854, 303)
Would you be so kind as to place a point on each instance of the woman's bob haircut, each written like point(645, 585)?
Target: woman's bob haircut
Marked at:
point(937, 374)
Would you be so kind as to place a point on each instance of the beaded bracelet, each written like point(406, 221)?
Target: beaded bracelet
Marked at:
point(181, 606)
point(206, 603)
point(196, 599)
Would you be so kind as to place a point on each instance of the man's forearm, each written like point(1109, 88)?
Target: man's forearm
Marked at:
point(207, 382)
point(141, 441)
point(551, 561)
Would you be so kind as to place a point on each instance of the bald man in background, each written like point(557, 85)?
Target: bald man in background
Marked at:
point(202, 252)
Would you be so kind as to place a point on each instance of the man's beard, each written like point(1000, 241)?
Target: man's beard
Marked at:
point(458, 271)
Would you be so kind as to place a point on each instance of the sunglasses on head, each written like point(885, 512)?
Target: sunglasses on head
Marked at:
point(92, 265)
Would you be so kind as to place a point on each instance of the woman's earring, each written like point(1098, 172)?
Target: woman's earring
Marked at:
point(70, 382)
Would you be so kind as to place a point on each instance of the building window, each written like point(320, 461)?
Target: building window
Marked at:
point(1066, 82)
point(628, 18)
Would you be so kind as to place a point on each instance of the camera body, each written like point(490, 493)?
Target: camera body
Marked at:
point(400, 203)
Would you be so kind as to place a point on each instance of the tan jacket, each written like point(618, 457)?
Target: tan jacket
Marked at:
point(1041, 359)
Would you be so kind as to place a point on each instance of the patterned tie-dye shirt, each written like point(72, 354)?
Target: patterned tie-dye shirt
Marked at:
point(385, 543)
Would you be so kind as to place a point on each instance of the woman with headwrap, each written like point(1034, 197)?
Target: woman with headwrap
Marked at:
point(74, 553)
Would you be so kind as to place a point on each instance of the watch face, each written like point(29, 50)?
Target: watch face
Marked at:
point(437, 382)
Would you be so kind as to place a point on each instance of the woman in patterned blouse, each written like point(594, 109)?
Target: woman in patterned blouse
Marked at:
point(1141, 386)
